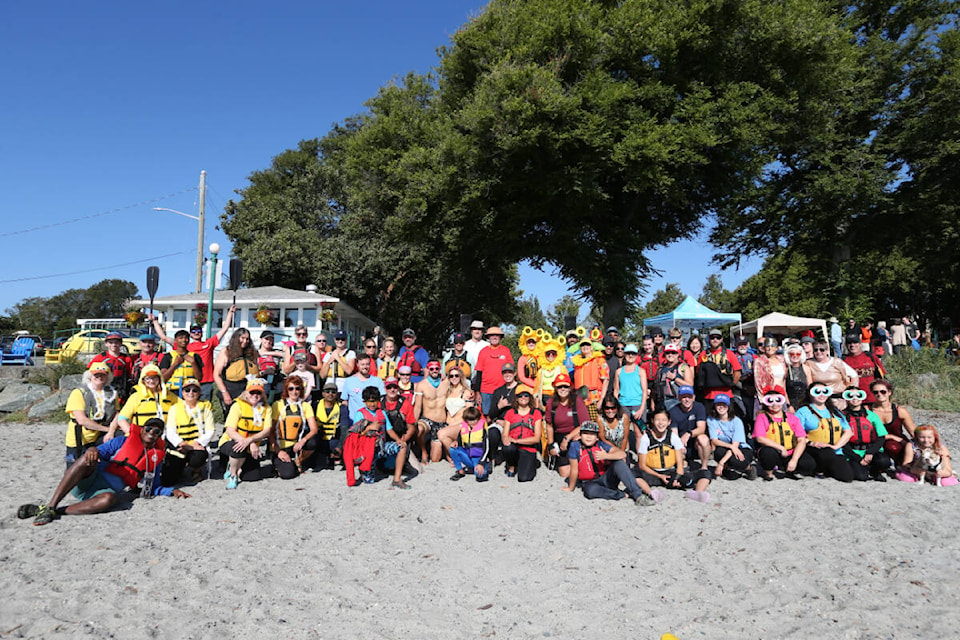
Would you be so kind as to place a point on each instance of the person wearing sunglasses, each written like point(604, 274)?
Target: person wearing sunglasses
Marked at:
point(630, 391)
point(201, 347)
point(780, 436)
point(718, 369)
point(615, 424)
point(95, 478)
point(867, 367)
point(327, 415)
point(270, 364)
point(189, 430)
point(247, 426)
point(827, 433)
point(430, 407)
point(521, 428)
point(293, 439)
point(830, 371)
point(896, 420)
point(865, 448)
point(798, 377)
point(341, 362)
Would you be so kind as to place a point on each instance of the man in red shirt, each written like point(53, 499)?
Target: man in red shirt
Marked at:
point(866, 366)
point(488, 376)
point(203, 348)
point(723, 366)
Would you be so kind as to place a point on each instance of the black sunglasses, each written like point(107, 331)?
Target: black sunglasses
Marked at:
point(153, 429)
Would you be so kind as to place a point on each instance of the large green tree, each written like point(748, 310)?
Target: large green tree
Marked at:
point(105, 299)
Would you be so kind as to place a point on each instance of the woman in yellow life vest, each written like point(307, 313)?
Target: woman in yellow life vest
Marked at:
point(781, 438)
point(189, 430)
point(827, 432)
point(235, 365)
point(294, 430)
point(249, 423)
point(93, 409)
point(150, 399)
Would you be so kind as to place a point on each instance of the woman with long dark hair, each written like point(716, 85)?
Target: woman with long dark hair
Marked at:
point(235, 365)
point(827, 432)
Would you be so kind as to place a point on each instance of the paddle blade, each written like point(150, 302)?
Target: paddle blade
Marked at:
point(236, 273)
point(153, 280)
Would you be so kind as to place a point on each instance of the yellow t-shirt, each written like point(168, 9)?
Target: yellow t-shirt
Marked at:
point(76, 402)
point(246, 419)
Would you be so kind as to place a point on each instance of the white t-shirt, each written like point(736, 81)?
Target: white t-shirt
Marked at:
point(473, 348)
point(644, 445)
point(338, 376)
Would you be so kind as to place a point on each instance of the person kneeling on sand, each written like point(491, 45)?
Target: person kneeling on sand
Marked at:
point(601, 469)
point(471, 450)
point(248, 424)
point(926, 459)
point(373, 438)
point(660, 457)
point(101, 472)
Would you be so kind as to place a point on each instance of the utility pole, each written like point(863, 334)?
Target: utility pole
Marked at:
point(203, 197)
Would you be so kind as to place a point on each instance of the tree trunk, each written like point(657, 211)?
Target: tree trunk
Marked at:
point(613, 313)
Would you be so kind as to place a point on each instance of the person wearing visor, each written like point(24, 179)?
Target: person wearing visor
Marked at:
point(95, 479)
point(521, 428)
point(600, 468)
point(827, 433)
point(247, 426)
point(732, 452)
point(189, 430)
point(630, 385)
point(865, 447)
point(94, 409)
point(780, 437)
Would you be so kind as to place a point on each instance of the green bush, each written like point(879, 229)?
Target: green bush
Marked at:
point(939, 393)
point(50, 375)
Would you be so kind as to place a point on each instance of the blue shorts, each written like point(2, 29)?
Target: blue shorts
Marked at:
point(96, 483)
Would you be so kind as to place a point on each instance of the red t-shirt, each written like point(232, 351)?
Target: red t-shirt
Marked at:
point(490, 363)
point(866, 368)
point(204, 349)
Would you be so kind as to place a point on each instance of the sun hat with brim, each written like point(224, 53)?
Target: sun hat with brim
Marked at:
point(494, 331)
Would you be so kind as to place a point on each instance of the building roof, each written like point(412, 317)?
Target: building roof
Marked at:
point(271, 295)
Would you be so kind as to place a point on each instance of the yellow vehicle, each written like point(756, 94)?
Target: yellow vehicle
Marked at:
point(85, 344)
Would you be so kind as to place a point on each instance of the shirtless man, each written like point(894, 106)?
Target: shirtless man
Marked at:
point(430, 408)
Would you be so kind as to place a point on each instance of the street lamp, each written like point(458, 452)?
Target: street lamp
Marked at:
point(199, 219)
point(214, 250)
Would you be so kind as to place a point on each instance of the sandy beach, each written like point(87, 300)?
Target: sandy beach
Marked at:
point(312, 558)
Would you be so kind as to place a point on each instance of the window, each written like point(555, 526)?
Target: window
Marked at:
point(290, 317)
point(217, 319)
point(309, 317)
point(251, 320)
point(179, 318)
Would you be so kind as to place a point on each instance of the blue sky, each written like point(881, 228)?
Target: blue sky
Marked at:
point(109, 108)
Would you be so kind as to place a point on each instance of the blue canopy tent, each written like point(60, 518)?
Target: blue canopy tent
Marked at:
point(691, 315)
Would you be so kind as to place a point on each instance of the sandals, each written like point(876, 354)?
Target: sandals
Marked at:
point(45, 515)
point(457, 476)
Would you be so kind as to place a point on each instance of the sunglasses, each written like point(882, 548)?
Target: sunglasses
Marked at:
point(561, 386)
point(820, 391)
point(294, 388)
point(191, 390)
point(438, 369)
point(772, 399)
point(820, 349)
point(880, 392)
point(369, 346)
point(855, 395)
point(329, 390)
point(255, 393)
point(524, 395)
point(453, 375)
point(301, 333)
point(196, 330)
point(153, 429)
point(609, 408)
point(340, 340)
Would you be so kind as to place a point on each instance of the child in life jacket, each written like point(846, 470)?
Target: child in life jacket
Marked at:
point(125, 462)
point(300, 371)
point(660, 457)
point(372, 438)
point(864, 450)
point(927, 460)
point(600, 467)
point(471, 451)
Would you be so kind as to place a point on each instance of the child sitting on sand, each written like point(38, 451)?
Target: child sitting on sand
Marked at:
point(660, 456)
point(927, 460)
point(601, 469)
point(471, 450)
point(371, 438)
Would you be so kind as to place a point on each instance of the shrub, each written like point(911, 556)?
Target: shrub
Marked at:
point(50, 375)
point(940, 392)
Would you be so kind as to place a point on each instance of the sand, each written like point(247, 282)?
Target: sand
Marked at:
point(312, 558)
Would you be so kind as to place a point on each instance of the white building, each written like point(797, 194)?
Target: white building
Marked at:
point(290, 307)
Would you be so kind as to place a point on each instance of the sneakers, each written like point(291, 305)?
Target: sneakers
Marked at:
point(25, 511)
point(643, 500)
point(226, 474)
point(45, 515)
point(232, 482)
point(368, 477)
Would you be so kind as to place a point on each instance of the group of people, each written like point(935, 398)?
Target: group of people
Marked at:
point(615, 418)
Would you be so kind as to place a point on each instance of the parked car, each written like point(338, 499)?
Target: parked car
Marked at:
point(6, 342)
point(83, 345)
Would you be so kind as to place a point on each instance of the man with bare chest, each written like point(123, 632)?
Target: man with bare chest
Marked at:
point(431, 411)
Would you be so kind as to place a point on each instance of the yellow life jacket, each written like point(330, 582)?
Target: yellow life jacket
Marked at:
point(548, 375)
point(828, 430)
point(661, 456)
point(782, 433)
point(247, 423)
point(151, 407)
point(187, 427)
point(184, 370)
point(289, 423)
point(328, 420)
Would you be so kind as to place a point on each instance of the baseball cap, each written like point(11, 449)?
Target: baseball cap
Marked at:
point(266, 334)
point(807, 339)
point(390, 382)
point(408, 332)
point(458, 338)
point(609, 342)
point(494, 331)
point(561, 379)
point(612, 330)
point(743, 340)
point(721, 398)
point(148, 337)
point(508, 367)
point(190, 382)
point(589, 427)
point(330, 384)
point(671, 348)
point(631, 347)
point(657, 331)
point(340, 334)
point(715, 332)
point(404, 369)
point(196, 327)
point(684, 390)
point(113, 335)
point(522, 388)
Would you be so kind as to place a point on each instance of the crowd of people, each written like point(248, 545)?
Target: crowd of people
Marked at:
point(616, 418)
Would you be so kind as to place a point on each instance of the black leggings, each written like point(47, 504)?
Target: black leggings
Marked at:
point(289, 470)
point(732, 462)
point(831, 464)
point(250, 471)
point(175, 463)
point(770, 458)
point(879, 464)
point(524, 461)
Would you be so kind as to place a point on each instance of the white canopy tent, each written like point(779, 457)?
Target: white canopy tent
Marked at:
point(779, 323)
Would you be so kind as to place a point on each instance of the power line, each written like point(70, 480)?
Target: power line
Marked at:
point(95, 215)
point(112, 266)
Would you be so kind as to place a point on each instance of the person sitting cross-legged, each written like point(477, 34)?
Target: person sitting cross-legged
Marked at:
point(600, 467)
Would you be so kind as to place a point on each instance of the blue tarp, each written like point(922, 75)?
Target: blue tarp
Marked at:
point(691, 314)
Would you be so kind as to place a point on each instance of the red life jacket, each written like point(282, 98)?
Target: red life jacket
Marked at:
point(523, 427)
point(863, 431)
point(408, 359)
point(132, 461)
point(589, 468)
